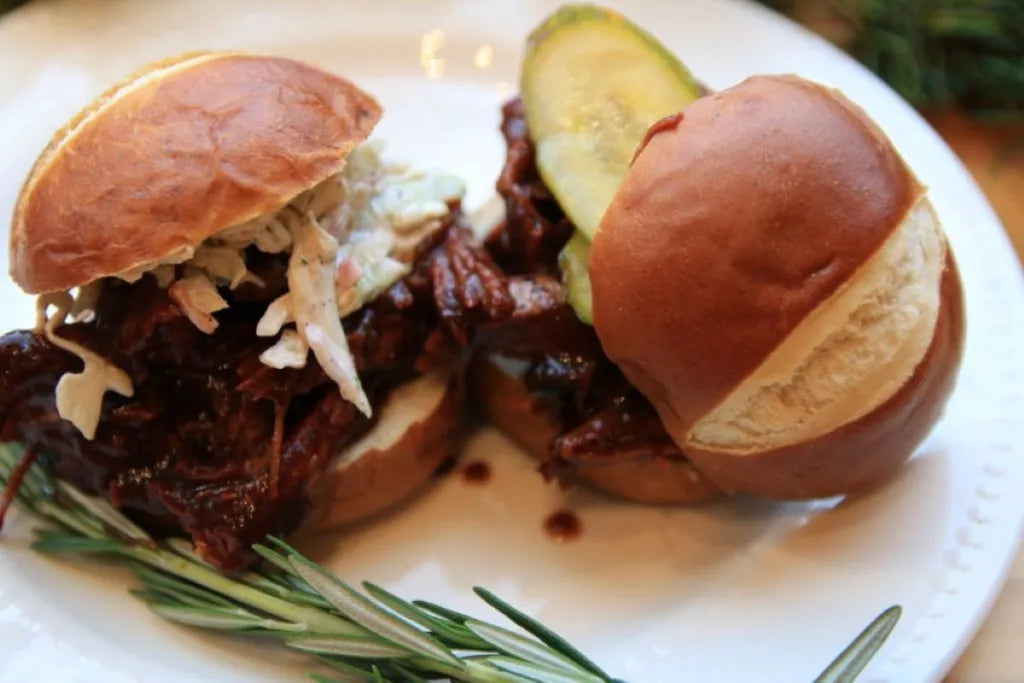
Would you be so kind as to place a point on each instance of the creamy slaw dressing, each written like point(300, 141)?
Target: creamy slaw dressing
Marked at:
point(350, 238)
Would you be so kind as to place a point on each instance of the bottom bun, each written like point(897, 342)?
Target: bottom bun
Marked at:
point(412, 437)
point(533, 424)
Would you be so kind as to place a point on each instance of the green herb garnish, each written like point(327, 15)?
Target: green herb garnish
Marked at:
point(935, 53)
point(369, 635)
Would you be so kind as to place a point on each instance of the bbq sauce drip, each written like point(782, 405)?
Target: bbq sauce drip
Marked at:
point(477, 472)
point(563, 526)
point(602, 415)
point(214, 443)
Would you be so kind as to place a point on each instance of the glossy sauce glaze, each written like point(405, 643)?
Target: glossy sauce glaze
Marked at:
point(197, 449)
point(603, 417)
point(477, 472)
point(563, 525)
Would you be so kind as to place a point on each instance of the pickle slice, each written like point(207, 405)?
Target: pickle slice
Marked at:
point(593, 83)
point(574, 259)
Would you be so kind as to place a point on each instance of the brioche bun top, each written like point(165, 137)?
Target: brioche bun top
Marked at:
point(769, 270)
point(174, 154)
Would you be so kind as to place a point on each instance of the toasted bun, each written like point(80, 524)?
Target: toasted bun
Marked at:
point(411, 438)
point(174, 154)
point(773, 279)
point(533, 423)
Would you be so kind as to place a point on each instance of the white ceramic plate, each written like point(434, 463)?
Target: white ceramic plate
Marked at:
point(741, 590)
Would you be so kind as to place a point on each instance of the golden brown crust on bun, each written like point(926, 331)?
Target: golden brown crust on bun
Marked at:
point(505, 401)
point(411, 439)
point(771, 276)
point(730, 228)
point(872, 447)
point(129, 180)
point(533, 423)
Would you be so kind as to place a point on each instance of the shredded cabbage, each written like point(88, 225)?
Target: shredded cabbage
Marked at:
point(80, 395)
point(177, 256)
point(311, 285)
point(164, 274)
point(290, 351)
point(198, 299)
point(417, 198)
point(350, 237)
point(277, 315)
point(224, 264)
point(365, 270)
point(268, 233)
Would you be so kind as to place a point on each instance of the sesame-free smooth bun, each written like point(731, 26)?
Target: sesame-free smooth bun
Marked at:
point(411, 439)
point(772, 277)
point(237, 136)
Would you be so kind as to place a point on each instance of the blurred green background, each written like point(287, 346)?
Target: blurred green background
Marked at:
point(938, 54)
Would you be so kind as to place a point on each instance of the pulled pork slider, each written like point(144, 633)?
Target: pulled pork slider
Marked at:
point(248, 320)
point(542, 375)
point(773, 279)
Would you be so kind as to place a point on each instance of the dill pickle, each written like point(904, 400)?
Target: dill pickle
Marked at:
point(592, 85)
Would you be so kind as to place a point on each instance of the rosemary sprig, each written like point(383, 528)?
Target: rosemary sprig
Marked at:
point(370, 635)
point(851, 661)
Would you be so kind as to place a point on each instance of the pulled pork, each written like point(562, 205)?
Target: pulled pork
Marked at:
point(536, 228)
point(215, 443)
point(603, 415)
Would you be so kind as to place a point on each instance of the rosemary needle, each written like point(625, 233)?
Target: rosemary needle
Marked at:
point(362, 635)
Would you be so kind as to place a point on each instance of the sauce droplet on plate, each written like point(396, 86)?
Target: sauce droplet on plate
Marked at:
point(478, 472)
point(563, 526)
point(446, 466)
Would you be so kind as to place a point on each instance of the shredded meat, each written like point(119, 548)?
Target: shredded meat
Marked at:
point(602, 414)
point(537, 228)
point(215, 443)
point(468, 291)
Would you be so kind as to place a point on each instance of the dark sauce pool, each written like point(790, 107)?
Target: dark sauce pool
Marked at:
point(477, 472)
point(562, 526)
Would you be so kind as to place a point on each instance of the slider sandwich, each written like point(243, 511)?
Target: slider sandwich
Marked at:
point(745, 291)
point(249, 321)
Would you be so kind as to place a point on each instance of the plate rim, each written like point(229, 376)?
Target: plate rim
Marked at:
point(977, 615)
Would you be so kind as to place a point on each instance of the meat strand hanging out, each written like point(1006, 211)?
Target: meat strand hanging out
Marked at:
point(602, 415)
point(196, 448)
